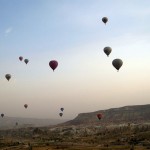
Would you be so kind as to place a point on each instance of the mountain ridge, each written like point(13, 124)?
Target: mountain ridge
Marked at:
point(125, 114)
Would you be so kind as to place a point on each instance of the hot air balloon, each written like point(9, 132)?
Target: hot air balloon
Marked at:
point(53, 64)
point(62, 109)
point(117, 63)
point(16, 123)
point(2, 115)
point(99, 116)
point(20, 58)
point(107, 50)
point(60, 114)
point(26, 106)
point(105, 19)
point(8, 76)
point(26, 61)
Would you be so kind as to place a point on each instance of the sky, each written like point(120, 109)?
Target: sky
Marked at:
point(73, 33)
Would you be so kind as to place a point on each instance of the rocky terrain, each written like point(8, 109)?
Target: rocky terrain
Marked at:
point(130, 132)
point(127, 114)
point(121, 137)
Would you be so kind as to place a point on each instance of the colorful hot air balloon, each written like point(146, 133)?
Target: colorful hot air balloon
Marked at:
point(107, 50)
point(20, 58)
point(117, 63)
point(99, 116)
point(62, 109)
point(2, 115)
point(26, 106)
point(105, 19)
point(8, 76)
point(26, 61)
point(60, 114)
point(53, 64)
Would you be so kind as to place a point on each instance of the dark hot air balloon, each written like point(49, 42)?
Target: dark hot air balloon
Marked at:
point(2, 115)
point(107, 50)
point(105, 19)
point(60, 114)
point(117, 63)
point(8, 76)
point(99, 116)
point(62, 109)
point(26, 61)
point(53, 64)
point(20, 58)
point(26, 106)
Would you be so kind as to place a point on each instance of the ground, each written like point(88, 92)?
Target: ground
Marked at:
point(125, 137)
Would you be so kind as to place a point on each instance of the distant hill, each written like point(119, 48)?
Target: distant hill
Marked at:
point(126, 114)
point(10, 122)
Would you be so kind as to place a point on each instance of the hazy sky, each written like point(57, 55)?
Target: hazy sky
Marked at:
point(72, 33)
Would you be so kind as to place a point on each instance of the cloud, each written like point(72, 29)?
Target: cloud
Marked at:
point(8, 30)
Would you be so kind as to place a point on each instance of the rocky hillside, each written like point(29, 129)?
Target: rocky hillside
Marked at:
point(126, 114)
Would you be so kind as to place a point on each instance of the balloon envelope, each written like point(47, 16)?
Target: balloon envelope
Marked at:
point(105, 19)
point(99, 116)
point(62, 109)
point(60, 114)
point(2, 115)
point(26, 61)
point(53, 64)
point(20, 58)
point(117, 63)
point(25, 105)
point(8, 76)
point(107, 50)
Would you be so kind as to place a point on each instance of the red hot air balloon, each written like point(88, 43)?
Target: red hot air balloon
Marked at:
point(20, 58)
point(99, 116)
point(25, 105)
point(53, 64)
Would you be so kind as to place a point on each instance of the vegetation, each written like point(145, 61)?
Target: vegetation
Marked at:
point(127, 137)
